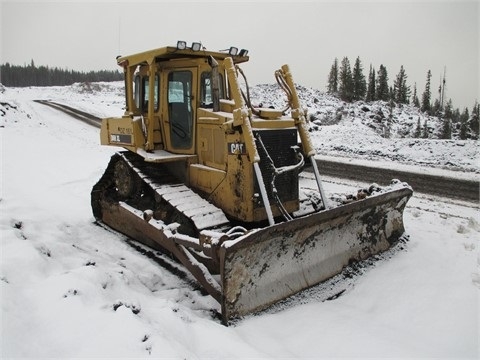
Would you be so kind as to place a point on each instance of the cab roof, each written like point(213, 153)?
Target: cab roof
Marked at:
point(171, 52)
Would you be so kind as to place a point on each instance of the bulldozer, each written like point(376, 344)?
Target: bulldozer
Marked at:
point(213, 181)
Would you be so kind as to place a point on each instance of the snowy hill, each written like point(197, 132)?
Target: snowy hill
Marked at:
point(325, 109)
point(357, 130)
point(72, 289)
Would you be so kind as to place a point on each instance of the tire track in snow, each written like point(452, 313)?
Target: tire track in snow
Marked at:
point(77, 114)
point(454, 188)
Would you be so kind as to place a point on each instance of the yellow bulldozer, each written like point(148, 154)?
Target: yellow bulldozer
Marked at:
point(213, 181)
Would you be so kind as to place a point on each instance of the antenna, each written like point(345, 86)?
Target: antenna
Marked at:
point(119, 33)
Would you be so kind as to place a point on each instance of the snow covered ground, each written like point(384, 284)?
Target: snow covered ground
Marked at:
point(72, 289)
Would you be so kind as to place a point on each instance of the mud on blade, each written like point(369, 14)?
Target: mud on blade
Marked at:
point(281, 260)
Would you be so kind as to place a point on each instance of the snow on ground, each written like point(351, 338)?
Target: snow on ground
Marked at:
point(70, 288)
point(102, 99)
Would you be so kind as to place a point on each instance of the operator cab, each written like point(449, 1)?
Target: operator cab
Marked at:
point(166, 86)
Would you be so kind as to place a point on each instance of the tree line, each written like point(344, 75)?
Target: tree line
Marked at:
point(31, 75)
point(350, 84)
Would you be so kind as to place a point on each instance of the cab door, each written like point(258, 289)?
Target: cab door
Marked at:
point(178, 114)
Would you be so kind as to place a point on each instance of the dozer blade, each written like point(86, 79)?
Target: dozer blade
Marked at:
point(272, 263)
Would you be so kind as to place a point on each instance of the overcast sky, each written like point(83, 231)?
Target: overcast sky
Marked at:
point(309, 35)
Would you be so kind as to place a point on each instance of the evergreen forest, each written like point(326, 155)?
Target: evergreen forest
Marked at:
point(350, 84)
point(32, 75)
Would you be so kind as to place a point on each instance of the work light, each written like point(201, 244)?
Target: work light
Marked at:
point(181, 45)
point(196, 46)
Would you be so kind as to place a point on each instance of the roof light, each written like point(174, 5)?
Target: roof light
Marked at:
point(196, 46)
point(181, 45)
point(243, 52)
point(233, 51)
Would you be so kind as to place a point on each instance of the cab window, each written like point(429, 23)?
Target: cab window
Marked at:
point(180, 112)
point(142, 91)
point(206, 96)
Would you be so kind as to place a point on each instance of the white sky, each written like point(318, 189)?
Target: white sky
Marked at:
point(420, 35)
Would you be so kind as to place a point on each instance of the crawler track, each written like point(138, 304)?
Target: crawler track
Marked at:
point(154, 188)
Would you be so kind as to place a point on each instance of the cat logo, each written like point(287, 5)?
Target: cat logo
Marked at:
point(236, 148)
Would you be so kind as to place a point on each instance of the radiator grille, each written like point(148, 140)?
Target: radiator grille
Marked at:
point(278, 143)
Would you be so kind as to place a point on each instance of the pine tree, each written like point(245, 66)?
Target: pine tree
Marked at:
point(333, 78)
point(359, 82)
point(447, 121)
point(448, 111)
point(425, 130)
point(438, 104)
point(345, 87)
point(371, 85)
point(441, 89)
point(436, 108)
point(387, 126)
point(401, 92)
point(382, 91)
point(464, 124)
point(456, 116)
point(447, 129)
point(415, 100)
point(474, 121)
point(426, 96)
point(418, 129)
